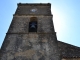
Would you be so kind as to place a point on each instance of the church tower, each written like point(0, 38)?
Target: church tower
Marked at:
point(31, 35)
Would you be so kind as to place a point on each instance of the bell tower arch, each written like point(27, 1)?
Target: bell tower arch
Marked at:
point(33, 24)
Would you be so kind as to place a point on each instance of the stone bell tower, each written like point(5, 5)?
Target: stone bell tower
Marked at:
point(31, 35)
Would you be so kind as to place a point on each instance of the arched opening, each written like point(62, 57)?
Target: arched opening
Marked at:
point(33, 24)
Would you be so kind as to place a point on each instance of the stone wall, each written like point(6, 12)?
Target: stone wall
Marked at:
point(30, 47)
point(71, 59)
point(20, 24)
point(68, 50)
point(20, 44)
point(40, 10)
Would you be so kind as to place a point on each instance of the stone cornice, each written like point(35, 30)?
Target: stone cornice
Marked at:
point(34, 33)
point(34, 4)
point(15, 15)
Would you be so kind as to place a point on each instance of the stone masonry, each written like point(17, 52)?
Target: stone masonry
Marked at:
point(20, 44)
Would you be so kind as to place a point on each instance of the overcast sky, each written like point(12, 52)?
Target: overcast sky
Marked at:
point(66, 18)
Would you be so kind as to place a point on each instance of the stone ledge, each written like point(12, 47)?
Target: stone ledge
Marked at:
point(32, 33)
point(34, 4)
point(30, 15)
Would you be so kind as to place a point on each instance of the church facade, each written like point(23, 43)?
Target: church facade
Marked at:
point(31, 36)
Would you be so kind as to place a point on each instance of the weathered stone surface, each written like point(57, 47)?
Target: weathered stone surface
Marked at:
point(31, 46)
point(20, 24)
point(20, 44)
point(40, 9)
point(68, 50)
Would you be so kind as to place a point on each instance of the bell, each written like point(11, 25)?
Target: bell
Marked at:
point(33, 25)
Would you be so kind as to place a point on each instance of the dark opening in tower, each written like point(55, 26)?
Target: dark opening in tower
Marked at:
point(33, 24)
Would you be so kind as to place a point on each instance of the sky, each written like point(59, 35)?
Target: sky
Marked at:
point(66, 18)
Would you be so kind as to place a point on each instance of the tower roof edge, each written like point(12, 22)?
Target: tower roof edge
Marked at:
point(34, 4)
